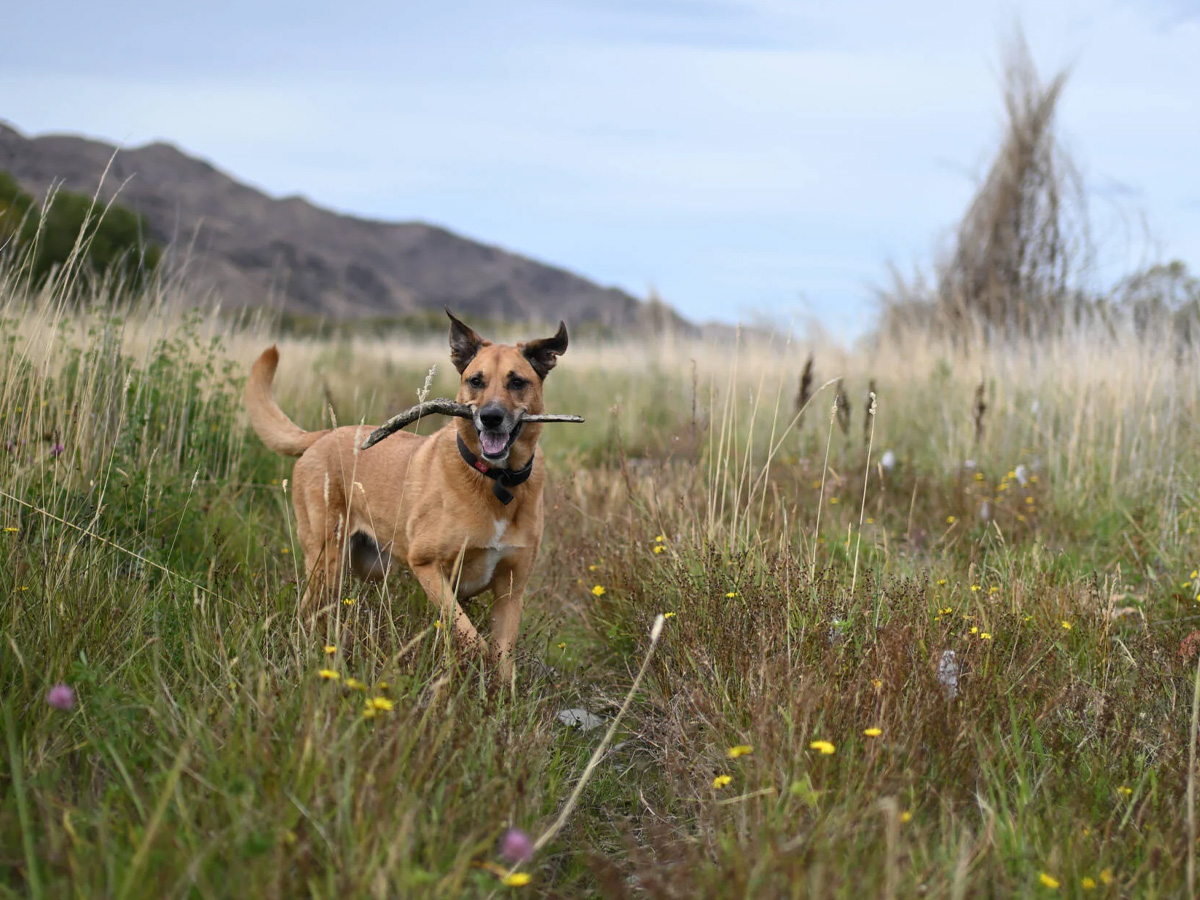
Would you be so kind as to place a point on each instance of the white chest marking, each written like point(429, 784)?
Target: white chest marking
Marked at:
point(486, 562)
point(501, 527)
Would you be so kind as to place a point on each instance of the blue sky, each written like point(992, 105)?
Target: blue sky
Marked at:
point(766, 157)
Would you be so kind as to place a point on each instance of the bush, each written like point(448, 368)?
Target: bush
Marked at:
point(72, 233)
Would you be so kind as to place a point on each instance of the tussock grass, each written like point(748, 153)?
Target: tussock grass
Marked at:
point(812, 589)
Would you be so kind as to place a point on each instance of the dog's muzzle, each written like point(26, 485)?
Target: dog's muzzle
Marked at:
point(498, 427)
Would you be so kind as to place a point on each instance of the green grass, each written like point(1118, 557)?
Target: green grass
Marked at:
point(150, 565)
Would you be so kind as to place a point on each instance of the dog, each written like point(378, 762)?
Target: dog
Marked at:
point(462, 506)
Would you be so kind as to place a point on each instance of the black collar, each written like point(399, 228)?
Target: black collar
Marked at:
point(504, 478)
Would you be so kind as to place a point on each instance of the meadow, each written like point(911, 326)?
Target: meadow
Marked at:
point(940, 651)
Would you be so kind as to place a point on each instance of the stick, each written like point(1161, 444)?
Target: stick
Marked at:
point(444, 407)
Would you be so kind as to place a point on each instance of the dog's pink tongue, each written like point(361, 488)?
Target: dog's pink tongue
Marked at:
point(493, 444)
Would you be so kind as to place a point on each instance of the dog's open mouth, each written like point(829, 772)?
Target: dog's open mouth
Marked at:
point(494, 443)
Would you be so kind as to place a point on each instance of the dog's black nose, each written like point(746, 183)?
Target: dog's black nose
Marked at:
point(492, 416)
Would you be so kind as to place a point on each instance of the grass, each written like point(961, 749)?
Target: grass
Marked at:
point(148, 561)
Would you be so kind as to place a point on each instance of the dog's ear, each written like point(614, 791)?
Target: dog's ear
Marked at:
point(464, 343)
point(544, 352)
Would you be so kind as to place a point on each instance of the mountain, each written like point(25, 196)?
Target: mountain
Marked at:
point(250, 248)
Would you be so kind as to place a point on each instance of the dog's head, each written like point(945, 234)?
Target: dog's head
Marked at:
point(501, 382)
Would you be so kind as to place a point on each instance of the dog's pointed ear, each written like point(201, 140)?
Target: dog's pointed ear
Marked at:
point(544, 352)
point(464, 343)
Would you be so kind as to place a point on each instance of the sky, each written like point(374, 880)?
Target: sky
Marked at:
point(746, 160)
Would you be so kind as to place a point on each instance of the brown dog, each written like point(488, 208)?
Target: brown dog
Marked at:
point(463, 506)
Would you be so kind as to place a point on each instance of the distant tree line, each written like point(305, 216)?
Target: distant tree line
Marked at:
point(113, 246)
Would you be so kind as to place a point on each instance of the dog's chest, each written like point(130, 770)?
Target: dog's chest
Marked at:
point(478, 571)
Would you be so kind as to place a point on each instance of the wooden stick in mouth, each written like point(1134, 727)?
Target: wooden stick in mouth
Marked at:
point(442, 407)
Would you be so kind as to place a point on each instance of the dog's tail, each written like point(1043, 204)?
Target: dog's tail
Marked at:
point(277, 431)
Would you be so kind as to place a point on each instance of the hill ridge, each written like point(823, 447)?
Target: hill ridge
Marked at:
point(250, 247)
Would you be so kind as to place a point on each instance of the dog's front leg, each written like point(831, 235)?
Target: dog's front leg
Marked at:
point(440, 592)
point(508, 599)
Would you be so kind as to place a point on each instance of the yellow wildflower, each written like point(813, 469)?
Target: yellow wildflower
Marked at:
point(598, 591)
point(284, 550)
point(906, 816)
point(721, 780)
point(660, 539)
point(1066, 625)
point(974, 629)
point(1088, 884)
point(979, 476)
point(668, 615)
point(329, 675)
point(985, 636)
point(383, 685)
point(11, 529)
point(381, 703)
point(592, 568)
point(941, 582)
point(729, 595)
point(355, 685)
point(330, 649)
point(1106, 876)
point(975, 588)
point(877, 683)
point(349, 601)
point(1049, 881)
point(993, 590)
point(872, 732)
point(833, 500)
point(516, 879)
point(1125, 790)
point(659, 548)
point(950, 520)
point(562, 645)
point(739, 750)
point(826, 748)
point(870, 521)
point(370, 712)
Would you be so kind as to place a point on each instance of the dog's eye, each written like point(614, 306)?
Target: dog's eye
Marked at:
point(475, 381)
point(517, 383)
